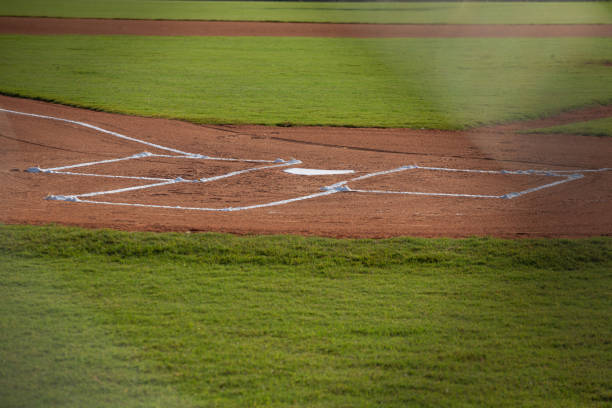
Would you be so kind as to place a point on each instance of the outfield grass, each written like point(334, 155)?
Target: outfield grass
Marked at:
point(369, 12)
point(419, 83)
point(599, 127)
point(90, 318)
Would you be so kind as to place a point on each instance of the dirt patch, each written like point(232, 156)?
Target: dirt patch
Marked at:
point(445, 182)
point(168, 168)
point(565, 118)
point(576, 208)
point(46, 26)
point(605, 63)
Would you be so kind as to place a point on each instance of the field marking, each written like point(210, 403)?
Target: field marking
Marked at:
point(575, 175)
point(342, 186)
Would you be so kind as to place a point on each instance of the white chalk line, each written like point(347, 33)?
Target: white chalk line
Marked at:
point(248, 207)
point(96, 128)
point(201, 180)
point(126, 189)
point(235, 173)
point(572, 177)
point(343, 187)
point(71, 173)
point(74, 166)
point(77, 197)
point(424, 193)
point(181, 153)
point(575, 175)
point(567, 175)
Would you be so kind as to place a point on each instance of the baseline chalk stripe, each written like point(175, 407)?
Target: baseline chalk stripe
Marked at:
point(121, 136)
point(96, 128)
point(342, 186)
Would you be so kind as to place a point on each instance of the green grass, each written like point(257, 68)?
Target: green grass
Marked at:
point(378, 12)
point(54, 353)
point(419, 83)
point(599, 127)
point(89, 318)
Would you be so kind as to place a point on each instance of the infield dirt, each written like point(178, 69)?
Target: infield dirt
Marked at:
point(45, 26)
point(578, 208)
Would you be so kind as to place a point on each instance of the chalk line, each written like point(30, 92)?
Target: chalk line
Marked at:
point(343, 186)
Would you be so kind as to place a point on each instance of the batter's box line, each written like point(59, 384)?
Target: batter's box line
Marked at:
point(61, 169)
point(576, 174)
point(225, 209)
point(333, 189)
point(165, 182)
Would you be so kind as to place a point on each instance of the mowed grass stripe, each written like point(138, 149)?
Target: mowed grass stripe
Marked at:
point(290, 321)
point(339, 12)
point(418, 83)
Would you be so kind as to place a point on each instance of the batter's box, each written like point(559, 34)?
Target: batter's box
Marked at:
point(439, 181)
point(161, 167)
point(249, 189)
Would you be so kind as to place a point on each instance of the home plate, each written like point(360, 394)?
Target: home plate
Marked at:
point(316, 172)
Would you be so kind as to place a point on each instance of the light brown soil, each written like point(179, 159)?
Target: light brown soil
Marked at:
point(42, 26)
point(426, 180)
point(575, 209)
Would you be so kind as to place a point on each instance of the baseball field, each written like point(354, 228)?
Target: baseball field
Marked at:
point(305, 204)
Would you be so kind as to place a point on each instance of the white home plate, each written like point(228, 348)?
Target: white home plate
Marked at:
point(316, 172)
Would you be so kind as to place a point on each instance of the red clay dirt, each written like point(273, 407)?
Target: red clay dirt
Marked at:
point(45, 26)
point(578, 208)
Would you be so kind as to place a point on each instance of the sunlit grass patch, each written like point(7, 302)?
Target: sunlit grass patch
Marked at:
point(417, 83)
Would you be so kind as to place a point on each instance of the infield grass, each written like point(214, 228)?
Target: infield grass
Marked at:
point(101, 318)
point(599, 127)
point(337, 12)
point(418, 83)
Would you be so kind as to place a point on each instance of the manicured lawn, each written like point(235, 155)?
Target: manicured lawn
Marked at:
point(599, 127)
point(55, 352)
point(100, 318)
point(419, 83)
point(369, 12)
